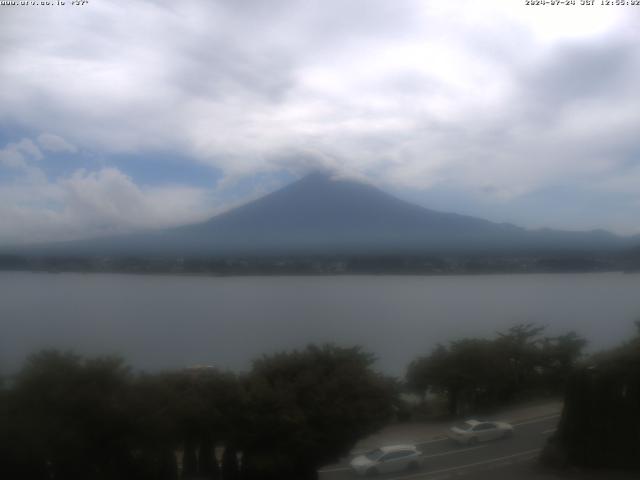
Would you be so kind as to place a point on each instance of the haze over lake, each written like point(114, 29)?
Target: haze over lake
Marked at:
point(158, 322)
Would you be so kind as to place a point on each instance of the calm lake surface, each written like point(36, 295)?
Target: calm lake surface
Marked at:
point(159, 322)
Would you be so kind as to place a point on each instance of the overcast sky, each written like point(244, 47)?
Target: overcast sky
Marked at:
point(120, 115)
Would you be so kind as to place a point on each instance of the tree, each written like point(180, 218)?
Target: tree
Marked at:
point(69, 418)
point(475, 373)
point(230, 468)
point(559, 356)
point(205, 405)
point(600, 422)
point(470, 372)
point(521, 346)
point(154, 405)
point(308, 408)
point(428, 373)
point(221, 403)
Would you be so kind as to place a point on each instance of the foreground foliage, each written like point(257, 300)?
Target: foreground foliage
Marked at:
point(307, 409)
point(600, 423)
point(67, 417)
point(475, 373)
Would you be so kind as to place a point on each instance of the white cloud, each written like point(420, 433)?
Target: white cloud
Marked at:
point(88, 203)
point(19, 156)
point(16, 155)
point(109, 198)
point(56, 144)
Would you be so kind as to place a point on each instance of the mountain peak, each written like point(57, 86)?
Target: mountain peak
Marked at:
point(325, 212)
point(318, 175)
point(327, 178)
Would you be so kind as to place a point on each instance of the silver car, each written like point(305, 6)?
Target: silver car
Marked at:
point(473, 431)
point(392, 458)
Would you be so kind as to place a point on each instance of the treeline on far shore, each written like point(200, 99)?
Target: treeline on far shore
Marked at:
point(397, 263)
point(68, 417)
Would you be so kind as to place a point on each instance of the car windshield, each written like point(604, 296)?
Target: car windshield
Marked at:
point(374, 454)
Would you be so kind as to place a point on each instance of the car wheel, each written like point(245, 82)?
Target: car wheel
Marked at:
point(372, 472)
point(473, 441)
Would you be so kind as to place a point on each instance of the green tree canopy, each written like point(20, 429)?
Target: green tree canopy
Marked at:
point(69, 418)
point(307, 408)
point(600, 423)
point(473, 372)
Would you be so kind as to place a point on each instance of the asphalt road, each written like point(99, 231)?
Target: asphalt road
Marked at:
point(444, 459)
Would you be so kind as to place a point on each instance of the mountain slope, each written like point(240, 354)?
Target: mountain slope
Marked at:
point(322, 215)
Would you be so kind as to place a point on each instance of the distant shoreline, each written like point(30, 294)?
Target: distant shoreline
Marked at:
point(319, 274)
point(324, 265)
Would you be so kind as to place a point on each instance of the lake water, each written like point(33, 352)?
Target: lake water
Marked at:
point(174, 321)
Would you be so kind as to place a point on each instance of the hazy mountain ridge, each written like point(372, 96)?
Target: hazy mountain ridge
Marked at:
point(322, 215)
point(326, 215)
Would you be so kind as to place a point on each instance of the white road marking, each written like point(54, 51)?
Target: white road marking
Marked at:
point(462, 467)
point(551, 430)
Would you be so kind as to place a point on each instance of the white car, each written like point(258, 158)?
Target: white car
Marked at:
point(473, 431)
point(393, 458)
